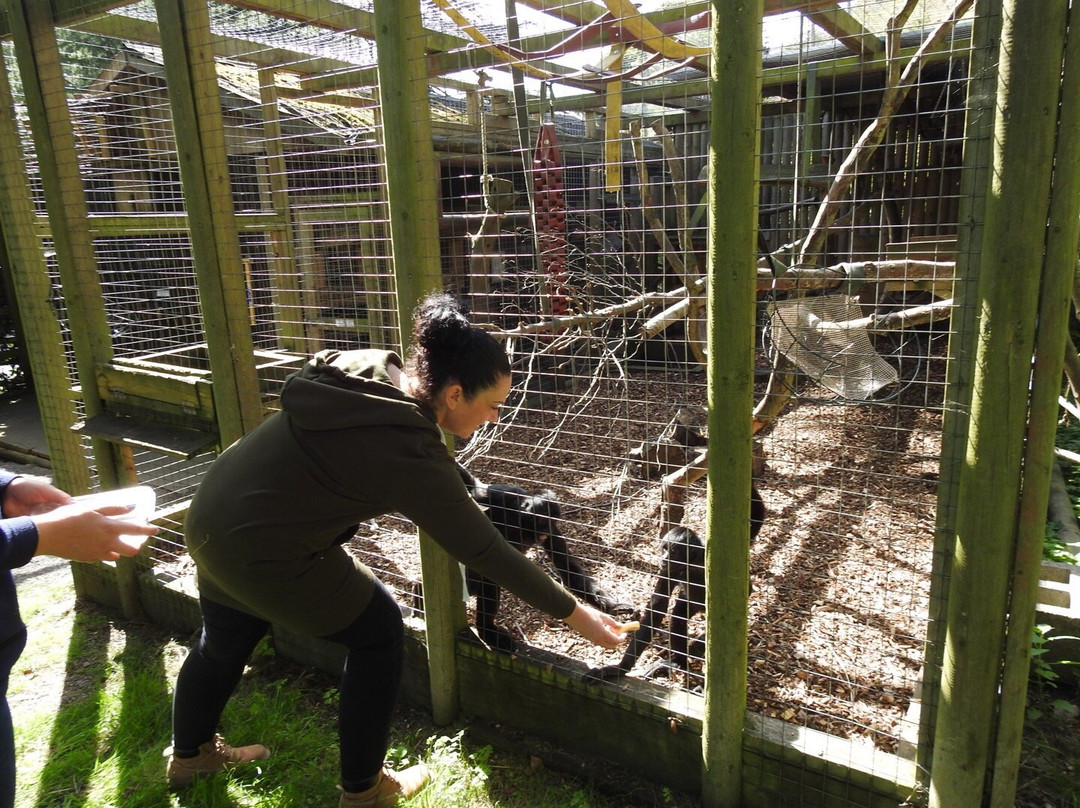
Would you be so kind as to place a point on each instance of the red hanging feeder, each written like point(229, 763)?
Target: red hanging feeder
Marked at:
point(550, 215)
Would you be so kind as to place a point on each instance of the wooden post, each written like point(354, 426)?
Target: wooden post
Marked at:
point(287, 304)
point(65, 200)
point(1059, 269)
point(127, 569)
point(735, 91)
point(195, 99)
point(412, 190)
point(30, 279)
point(974, 184)
point(989, 484)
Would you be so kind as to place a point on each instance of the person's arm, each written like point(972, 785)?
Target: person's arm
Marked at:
point(595, 626)
point(450, 516)
point(25, 496)
point(40, 519)
point(18, 533)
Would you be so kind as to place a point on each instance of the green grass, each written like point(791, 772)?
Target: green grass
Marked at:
point(91, 700)
point(1050, 759)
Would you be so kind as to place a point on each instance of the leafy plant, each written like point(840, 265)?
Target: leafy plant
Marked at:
point(1055, 548)
point(1043, 670)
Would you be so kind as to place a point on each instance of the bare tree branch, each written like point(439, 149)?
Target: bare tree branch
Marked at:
point(897, 88)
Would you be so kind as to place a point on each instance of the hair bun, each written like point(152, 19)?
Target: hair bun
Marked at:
point(446, 348)
point(440, 322)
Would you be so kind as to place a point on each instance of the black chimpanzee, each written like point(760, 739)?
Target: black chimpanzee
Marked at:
point(682, 567)
point(526, 520)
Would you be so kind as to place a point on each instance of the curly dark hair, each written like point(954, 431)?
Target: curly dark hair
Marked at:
point(446, 349)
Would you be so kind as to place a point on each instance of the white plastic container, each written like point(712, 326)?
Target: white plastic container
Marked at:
point(141, 499)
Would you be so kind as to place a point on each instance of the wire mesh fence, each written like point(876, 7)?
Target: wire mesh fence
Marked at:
point(572, 152)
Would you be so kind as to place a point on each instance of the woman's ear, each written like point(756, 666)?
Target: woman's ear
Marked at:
point(453, 394)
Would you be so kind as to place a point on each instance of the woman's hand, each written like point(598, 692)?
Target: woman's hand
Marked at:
point(25, 496)
point(82, 533)
point(595, 626)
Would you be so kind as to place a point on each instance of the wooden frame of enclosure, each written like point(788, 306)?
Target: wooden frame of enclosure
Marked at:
point(990, 516)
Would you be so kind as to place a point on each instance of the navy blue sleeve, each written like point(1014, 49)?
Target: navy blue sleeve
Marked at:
point(18, 534)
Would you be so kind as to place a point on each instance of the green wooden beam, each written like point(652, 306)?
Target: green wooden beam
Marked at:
point(412, 194)
point(66, 12)
point(735, 91)
point(340, 17)
point(582, 11)
point(38, 57)
point(132, 29)
point(1014, 241)
point(24, 262)
point(848, 31)
point(960, 371)
point(1059, 270)
point(204, 172)
point(175, 222)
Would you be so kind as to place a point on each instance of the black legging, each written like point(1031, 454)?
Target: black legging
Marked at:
point(10, 649)
point(369, 682)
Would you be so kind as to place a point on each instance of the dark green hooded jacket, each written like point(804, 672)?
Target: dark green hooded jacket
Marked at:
point(268, 521)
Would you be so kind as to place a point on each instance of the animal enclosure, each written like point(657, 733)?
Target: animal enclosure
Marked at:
point(217, 190)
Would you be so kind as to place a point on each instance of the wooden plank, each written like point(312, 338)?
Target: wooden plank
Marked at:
point(656, 731)
point(185, 393)
point(412, 192)
point(731, 259)
point(200, 135)
point(785, 762)
point(138, 224)
point(174, 441)
point(583, 11)
point(529, 691)
point(848, 31)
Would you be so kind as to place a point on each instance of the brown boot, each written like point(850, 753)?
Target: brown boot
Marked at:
point(392, 788)
point(214, 756)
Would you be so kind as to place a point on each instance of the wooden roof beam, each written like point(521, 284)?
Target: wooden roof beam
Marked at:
point(461, 58)
point(335, 16)
point(465, 55)
point(147, 32)
point(847, 30)
point(691, 93)
point(581, 11)
point(68, 12)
